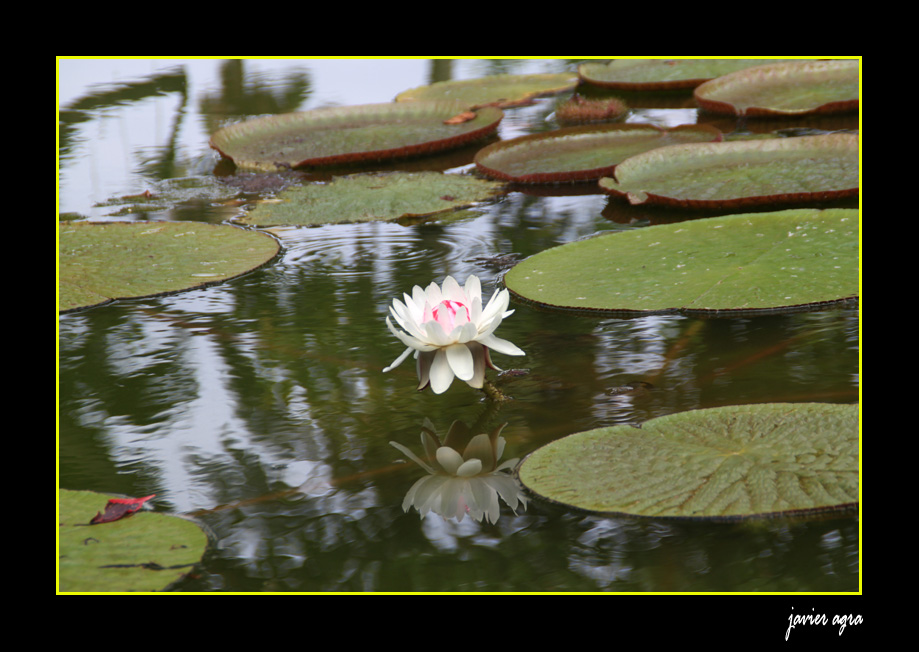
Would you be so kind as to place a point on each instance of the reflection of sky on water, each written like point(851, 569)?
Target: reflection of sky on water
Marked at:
point(114, 147)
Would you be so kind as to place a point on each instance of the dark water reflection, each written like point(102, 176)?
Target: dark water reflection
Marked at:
point(259, 405)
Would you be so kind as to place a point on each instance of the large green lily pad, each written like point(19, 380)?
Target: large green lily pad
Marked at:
point(493, 90)
point(735, 265)
point(792, 88)
point(719, 463)
point(104, 261)
point(660, 74)
point(147, 551)
point(579, 153)
point(371, 197)
point(741, 173)
point(352, 134)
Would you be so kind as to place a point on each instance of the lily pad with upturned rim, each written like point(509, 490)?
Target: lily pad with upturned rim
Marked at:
point(661, 74)
point(493, 90)
point(740, 173)
point(352, 134)
point(373, 197)
point(735, 265)
point(104, 261)
point(580, 153)
point(792, 88)
point(725, 463)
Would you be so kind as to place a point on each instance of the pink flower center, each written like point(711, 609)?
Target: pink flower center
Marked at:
point(444, 313)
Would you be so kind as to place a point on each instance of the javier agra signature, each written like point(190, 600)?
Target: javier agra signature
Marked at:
point(839, 620)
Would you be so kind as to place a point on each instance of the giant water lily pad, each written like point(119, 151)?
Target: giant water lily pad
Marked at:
point(493, 90)
point(718, 463)
point(350, 134)
point(659, 74)
point(784, 261)
point(104, 261)
point(146, 551)
point(579, 153)
point(740, 173)
point(793, 88)
point(371, 197)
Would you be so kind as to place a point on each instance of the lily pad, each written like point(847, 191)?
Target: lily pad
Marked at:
point(741, 173)
point(353, 134)
point(793, 88)
point(493, 90)
point(104, 261)
point(661, 74)
point(729, 463)
point(579, 153)
point(147, 551)
point(370, 197)
point(735, 265)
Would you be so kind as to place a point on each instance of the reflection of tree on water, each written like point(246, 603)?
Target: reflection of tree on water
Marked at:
point(252, 93)
point(240, 94)
point(465, 476)
point(89, 106)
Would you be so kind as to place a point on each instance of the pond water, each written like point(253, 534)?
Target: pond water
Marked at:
point(259, 405)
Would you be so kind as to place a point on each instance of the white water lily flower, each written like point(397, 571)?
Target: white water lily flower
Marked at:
point(463, 483)
point(450, 333)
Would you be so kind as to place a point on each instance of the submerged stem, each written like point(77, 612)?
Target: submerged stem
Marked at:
point(493, 392)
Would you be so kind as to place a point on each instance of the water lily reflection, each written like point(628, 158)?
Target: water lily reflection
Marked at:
point(450, 333)
point(464, 475)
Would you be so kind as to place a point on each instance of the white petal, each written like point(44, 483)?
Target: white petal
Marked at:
point(460, 359)
point(499, 345)
point(440, 373)
point(500, 442)
point(406, 321)
point(412, 497)
point(497, 305)
point(449, 459)
point(508, 489)
point(432, 294)
point(464, 333)
point(453, 291)
point(486, 499)
point(427, 494)
point(399, 360)
point(480, 448)
point(473, 288)
point(435, 334)
point(462, 315)
point(475, 309)
point(419, 298)
point(417, 460)
point(479, 362)
point(469, 468)
point(408, 340)
point(452, 499)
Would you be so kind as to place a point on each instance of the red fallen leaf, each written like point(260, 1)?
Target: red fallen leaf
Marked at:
point(117, 508)
point(460, 118)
